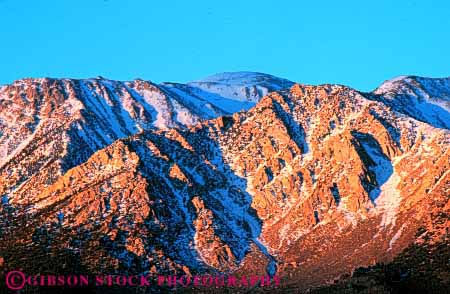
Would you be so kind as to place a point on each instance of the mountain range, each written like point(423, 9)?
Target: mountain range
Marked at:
point(238, 173)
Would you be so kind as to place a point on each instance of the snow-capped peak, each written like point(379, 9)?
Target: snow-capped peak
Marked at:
point(437, 87)
point(244, 78)
point(243, 86)
point(426, 99)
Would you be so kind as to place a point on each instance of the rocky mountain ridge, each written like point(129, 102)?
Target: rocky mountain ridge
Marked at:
point(310, 183)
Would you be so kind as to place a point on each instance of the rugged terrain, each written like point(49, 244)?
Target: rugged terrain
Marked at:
point(238, 173)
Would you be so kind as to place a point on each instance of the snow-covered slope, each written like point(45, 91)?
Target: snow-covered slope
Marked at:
point(425, 99)
point(243, 86)
point(202, 99)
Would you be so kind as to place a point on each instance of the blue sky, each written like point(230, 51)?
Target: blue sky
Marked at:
point(357, 43)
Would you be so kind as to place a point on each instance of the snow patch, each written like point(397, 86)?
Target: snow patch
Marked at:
point(396, 236)
point(388, 202)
